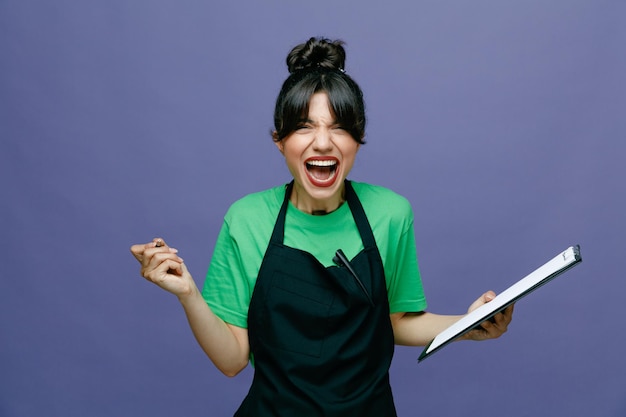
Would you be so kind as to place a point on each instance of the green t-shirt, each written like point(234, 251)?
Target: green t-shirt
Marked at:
point(248, 226)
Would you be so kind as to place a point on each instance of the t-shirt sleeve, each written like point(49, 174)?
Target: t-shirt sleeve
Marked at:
point(226, 289)
point(404, 283)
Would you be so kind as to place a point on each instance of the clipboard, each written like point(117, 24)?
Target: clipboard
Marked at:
point(541, 276)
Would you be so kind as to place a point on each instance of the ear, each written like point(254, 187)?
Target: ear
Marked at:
point(358, 147)
point(279, 143)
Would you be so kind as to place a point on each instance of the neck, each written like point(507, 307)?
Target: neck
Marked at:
point(307, 204)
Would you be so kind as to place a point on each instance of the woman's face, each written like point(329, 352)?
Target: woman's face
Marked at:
point(319, 155)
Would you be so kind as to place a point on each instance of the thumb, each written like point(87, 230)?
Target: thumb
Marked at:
point(488, 296)
point(182, 270)
point(483, 299)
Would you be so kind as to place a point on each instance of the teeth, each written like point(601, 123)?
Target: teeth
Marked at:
point(318, 163)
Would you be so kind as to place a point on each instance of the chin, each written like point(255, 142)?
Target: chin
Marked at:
point(324, 193)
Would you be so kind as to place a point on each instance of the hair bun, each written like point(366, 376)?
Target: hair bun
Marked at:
point(317, 53)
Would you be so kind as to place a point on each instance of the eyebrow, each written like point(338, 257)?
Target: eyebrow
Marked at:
point(333, 123)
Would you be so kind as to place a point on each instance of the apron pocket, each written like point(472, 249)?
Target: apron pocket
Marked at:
point(296, 315)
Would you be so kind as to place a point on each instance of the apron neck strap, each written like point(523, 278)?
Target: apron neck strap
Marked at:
point(356, 208)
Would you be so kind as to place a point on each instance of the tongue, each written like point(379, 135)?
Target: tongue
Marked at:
point(320, 173)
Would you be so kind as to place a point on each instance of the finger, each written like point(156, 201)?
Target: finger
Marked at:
point(166, 268)
point(500, 325)
point(507, 315)
point(492, 330)
point(509, 310)
point(488, 324)
point(155, 260)
point(172, 267)
point(480, 333)
point(501, 322)
point(137, 251)
point(169, 254)
point(183, 267)
point(483, 299)
point(153, 253)
point(158, 242)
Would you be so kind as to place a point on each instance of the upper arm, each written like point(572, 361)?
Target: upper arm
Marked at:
point(241, 334)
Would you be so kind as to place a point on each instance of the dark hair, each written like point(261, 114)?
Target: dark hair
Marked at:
point(318, 66)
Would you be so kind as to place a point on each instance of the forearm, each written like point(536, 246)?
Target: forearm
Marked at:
point(226, 345)
point(418, 329)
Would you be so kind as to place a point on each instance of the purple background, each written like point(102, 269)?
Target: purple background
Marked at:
point(502, 122)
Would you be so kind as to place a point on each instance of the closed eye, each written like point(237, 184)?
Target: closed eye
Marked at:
point(339, 129)
point(305, 124)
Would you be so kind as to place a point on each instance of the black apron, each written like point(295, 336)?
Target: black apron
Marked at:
point(322, 343)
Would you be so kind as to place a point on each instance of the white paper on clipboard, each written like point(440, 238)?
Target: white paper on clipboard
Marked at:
point(542, 275)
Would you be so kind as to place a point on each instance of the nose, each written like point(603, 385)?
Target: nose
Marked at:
point(323, 140)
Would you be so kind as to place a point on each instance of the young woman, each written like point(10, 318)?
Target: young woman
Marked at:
point(314, 281)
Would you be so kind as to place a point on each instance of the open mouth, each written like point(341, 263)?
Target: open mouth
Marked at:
point(322, 172)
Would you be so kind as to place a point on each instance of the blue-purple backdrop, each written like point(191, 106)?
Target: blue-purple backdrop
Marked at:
point(502, 122)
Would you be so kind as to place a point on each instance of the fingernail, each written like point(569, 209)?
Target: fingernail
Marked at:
point(172, 250)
